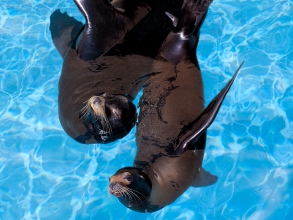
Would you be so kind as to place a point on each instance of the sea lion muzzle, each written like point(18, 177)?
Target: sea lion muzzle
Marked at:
point(108, 117)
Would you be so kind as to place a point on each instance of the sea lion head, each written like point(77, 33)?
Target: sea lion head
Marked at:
point(132, 188)
point(108, 117)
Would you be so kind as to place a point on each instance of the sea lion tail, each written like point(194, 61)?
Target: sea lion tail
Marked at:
point(206, 118)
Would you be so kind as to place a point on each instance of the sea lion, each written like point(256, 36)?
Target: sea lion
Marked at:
point(171, 131)
point(103, 69)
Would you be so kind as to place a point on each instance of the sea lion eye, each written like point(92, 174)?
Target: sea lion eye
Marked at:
point(128, 177)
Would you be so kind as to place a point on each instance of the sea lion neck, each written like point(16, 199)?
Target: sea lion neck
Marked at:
point(116, 75)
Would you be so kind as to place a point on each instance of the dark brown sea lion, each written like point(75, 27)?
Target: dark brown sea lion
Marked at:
point(104, 64)
point(171, 132)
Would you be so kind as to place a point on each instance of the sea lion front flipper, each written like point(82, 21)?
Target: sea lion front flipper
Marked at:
point(64, 30)
point(204, 178)
point(205, 119)
point(106, 25)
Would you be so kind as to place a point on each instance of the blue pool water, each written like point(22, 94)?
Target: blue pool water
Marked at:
point(44, 174)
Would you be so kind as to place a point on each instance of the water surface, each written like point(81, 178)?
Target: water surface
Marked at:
point(44, 174)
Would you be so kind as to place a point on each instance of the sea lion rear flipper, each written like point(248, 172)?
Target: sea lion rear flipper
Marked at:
point(183, 37)
point(106, 25)
point(64, 30)
point(205, 119)
point(204, 178)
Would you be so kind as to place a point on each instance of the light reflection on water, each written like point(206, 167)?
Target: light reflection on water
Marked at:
point(46, 175)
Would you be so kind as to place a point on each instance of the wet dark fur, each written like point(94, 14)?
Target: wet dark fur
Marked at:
point(171, 130)
point(142, 41)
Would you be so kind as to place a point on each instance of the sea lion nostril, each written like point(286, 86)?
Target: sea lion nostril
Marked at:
point(111, 186)
point(114, 186)
point(97, 100)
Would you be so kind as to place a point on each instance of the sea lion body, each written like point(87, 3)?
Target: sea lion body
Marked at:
point(171, 130)
point(171, 177)
point(162, 116)
point(104, 59)
point(111, 76)
point(80, 80)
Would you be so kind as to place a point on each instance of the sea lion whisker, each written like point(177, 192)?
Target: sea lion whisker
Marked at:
point(100, 115)
point(84, 112)
point(107, 124)
point(125, 193)
point(137, 192)
point(85, 109)
point(136, 197)
point(133, 193)
point(132, 196)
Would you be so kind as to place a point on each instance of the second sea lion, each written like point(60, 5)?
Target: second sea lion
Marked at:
point(104, 61)
point(171, 131)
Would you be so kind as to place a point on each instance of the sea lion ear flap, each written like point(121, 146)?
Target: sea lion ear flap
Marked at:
point(204, 178)
point(205, 119)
